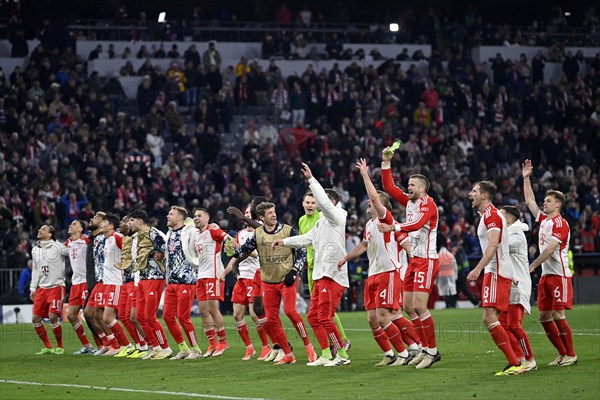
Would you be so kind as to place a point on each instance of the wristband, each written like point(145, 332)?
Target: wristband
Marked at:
point(397, 228)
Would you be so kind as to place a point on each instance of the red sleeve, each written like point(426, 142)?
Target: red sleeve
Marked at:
point(118, 240)
point(387, 218)
point(237, 237)
point(493, 221)
point(67, 242)
point(401, 237)
point(540, 217)
point(365, 237)
point(560, 230)
point(426, 214)
point(217, 234)
point(390, 188)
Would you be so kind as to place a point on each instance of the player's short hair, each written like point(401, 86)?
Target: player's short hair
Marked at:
point(262, 208)
point(82, 224)
point(202, 209)
point(101, 214)
point(309, 193)
point(385, 199)
point(112, 219)
point(333, 195)
point(558, 195)
point(52, 231)
point(181, 210)
point(254, 203)
point(139, 214)
point(512, 210)
point(488, 188)
point(422, 178)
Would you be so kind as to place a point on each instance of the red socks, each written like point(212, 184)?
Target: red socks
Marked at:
point(381, 338)
point(553, 335)
point(43, 334)
point(428, 327)
point(394, 336)
point(80, 331)
point(501, 339)
point(566, 335)
point(242, 329)
point(57, 330)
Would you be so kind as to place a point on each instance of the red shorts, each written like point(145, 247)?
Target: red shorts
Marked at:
point(111, 296)
point(78, 294)
point(256, 284)
point(555, 292)
point(97, 296)
point(48, 301)
point(126, 293)
point(420, 275)
point(243, 292)
point(210, 289)
point(495, 291)
point(383, 291)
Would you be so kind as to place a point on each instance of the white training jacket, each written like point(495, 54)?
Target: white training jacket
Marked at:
point(48, 265)
point(188, 235)
point(328, 237)
point(520, 291)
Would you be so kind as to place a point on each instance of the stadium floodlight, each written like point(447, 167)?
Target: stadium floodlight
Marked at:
point(567, 13)
point(394, 27)
point(162, 17)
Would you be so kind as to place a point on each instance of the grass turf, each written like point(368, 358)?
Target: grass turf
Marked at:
point(467, 369)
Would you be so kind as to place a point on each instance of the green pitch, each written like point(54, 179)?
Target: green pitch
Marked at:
point(467, 369)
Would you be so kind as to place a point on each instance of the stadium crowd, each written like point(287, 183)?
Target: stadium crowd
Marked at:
point(71, 144)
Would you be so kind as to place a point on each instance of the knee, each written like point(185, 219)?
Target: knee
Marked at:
point(313, 319)
point(88, 313)
point(409, 308)
point(53, 319)
point(36, 319)
point(72, 317)
point(238, 316)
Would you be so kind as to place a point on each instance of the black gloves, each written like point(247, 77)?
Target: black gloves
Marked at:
point(290, 278)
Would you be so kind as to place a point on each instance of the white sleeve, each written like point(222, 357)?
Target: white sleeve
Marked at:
point(335, 215)
point(299, 241)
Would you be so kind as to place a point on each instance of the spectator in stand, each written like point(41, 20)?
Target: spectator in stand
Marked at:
point(192, 55)
point(173, 53)
point(95, 54)
point(211, 57)
point(283, 16)
point(268, 48)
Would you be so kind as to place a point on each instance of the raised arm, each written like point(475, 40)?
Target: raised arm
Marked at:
point(238, 214)
point(362, 166)
point(335, 215)
point(528, 190)
point(387, 180)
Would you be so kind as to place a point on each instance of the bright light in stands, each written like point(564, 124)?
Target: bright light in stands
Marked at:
point(567, 13)
point(161, 17)
point(394, 27)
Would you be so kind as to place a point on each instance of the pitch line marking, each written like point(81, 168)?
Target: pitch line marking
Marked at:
point(116, 389)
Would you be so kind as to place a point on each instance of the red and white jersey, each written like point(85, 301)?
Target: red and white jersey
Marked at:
point(492, 220)
point(249, 266)
point(421, 225)
point(556, 228)
point(382, 249)
point(401, 237)
point(78, 258)
point(208, 244)
point(112, 256)
point(421, 218)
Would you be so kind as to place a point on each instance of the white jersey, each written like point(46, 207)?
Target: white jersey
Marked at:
point(78, 258)
point(557, 229)
point(492, 220)
point(208, 244)
point(328, 238)
point(48, 265)
point(400, 238)
point(520, 291)
point(249, 266)
point(112, 256)
point(382, 249)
